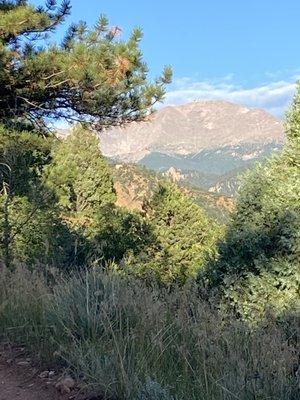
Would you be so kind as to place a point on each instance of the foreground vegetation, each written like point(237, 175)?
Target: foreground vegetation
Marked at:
point(128, 341)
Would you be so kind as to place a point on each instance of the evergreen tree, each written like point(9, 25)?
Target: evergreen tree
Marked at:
point(259, 260)
point(185, 236)
point(92, 75)
point(79, 175)
point(22, 158)
point(81, 180)
point(23, 155)
point(293, 118)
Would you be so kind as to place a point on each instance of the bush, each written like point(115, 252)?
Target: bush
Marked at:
point(267, 219)
point(153, 391)
point(276, 289)
point(35, 234)
point(115, 232)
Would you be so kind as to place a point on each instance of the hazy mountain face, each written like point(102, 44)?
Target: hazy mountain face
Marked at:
point(191, 128)
point(209, 142)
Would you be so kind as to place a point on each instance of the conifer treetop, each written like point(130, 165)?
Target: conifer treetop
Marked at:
point(92, 75)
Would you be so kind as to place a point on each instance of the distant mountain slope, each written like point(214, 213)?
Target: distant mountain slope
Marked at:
point(192, 128)
point(210, 138)
point(134, 184)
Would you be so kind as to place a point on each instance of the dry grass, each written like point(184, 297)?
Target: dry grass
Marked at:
point(137, 343)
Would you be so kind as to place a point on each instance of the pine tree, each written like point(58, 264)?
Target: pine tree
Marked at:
point(81, 180)
point(259, 259)
point(293, 117)
point(185, 236)
point(79, 175)
point(92, 75)
point(23, 156)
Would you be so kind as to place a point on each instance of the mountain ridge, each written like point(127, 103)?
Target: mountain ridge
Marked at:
point(191, 128)
point(209, 143)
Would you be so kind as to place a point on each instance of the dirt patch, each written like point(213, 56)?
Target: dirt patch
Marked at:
point(20, 380)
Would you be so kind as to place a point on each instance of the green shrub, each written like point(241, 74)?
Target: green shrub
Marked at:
point(34, 234)
point(153, 391)
point(267, 219)
point(275, 288)
point(115, 231)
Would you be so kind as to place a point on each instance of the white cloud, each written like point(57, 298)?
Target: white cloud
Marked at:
point(275, 97)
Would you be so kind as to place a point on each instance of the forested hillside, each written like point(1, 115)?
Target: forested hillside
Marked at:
point(169, 293)
point(134, 183)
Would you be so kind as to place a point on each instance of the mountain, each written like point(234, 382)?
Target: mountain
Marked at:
point(209, 142)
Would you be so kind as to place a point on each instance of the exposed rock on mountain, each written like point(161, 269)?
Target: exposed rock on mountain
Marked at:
point(192, 128)
point(173, 174)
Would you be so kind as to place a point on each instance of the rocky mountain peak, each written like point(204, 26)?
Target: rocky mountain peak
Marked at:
point(191, 128)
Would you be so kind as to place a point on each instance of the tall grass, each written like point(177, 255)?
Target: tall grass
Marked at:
point(131, 342)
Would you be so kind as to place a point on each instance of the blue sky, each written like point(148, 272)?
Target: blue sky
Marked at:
point(246, 52)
